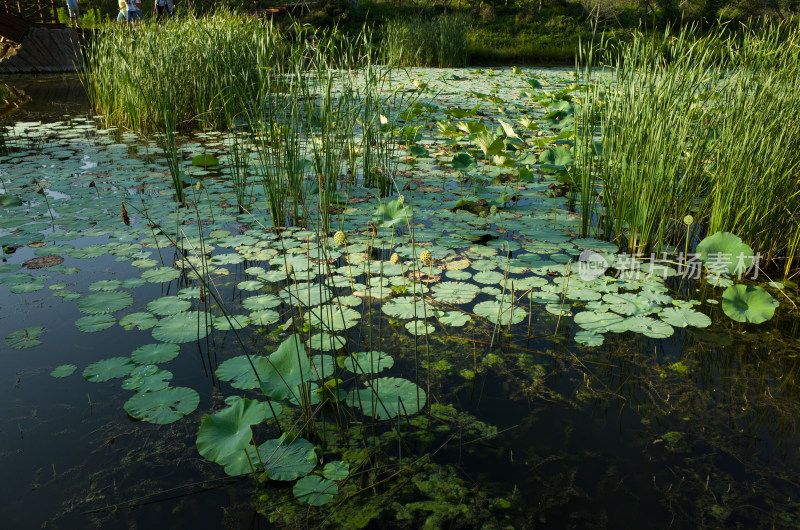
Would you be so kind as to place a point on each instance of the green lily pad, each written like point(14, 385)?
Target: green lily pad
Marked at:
point(315, 490)
point(155, 353)
point(141, 321)
point(239, 372)
point(336, 470)
point(387, 397)
point(105, 302)
point(183, 327)
point(107, 369)
point(64, 370)
point(288, 367)
point(680, 317)
point(168, 305)
point(748, 303)
point(163, 406)
point(95, 323)
point(7, 200)
point(369, 362)
point(454, 292)
point(406, 307)
point(285, 460)
point(419, 327)
point(161, 275)
point(25, 338)
point(504, 314)
point(205, 160)
point(229, 430)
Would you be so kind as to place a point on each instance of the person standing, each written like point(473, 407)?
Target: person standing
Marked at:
point(72, 7)
point(160, 8)
point(122, 16)
point(132, 13)
point(138, 4)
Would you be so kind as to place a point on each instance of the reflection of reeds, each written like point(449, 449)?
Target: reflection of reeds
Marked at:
point(695, 125)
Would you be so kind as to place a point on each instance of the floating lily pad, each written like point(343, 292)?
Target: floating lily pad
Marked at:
point(183, 327)
point(419, 327)
point(455, 292)
point(141, 321)
point(315, 490)
point(724, 252)
point(406, 307)
point(287, 460)
point(163, 406)
point(503, 314)
point(65, 370)
point(155, 353)
point(239, 372)
point(370, 362)
point(161, 275)
point(681, 317)
point(387, 397)
point(748, 303)
point(25, 338)
point(95, 323)
point(168, 305)
point(105, 302)
point(288, 368)
point(336, 470)
point(107, 369)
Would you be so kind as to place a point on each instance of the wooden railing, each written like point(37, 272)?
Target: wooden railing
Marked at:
point(41, 11)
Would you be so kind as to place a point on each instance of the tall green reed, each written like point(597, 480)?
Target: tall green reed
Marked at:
point(439, 41)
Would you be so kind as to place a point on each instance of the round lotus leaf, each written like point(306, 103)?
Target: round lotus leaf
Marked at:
point(7, 201)
point(454, 292)
point(205, 160)
point(600, 322)
point(105, 285)
point(630, 304)
point(680, 317)
point(161, 275)
point(155, 353)
point(95, 323)
point(406, 307)
point(158, 380)
point(748, 303)
point(419, 327)
point(287, 460)
point(588, 338)
point(26, 287)
point(315, 490)
point(724, 252)
point(322, 366)
point(369, 362)
point(452, 318)
point(64, 370)
point(229, 430)
point(649, 327)
point(108, 369)
point(336, 470)
point(458, 274)
point(141, 321)
point(25, 338)
point(308, 295)
point(326, 342)
point(163, 406)
point(183, 327)
point(228, 322)
point(249, 285)
point(264, 301)
point(105, 302)
point(333, 317)
point(168, 305)
point(504, 314)
point(387, 397)
point(489, 277)
point(264, 317)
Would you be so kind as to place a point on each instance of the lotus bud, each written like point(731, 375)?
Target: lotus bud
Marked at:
point(395, 259)
point(483, 213)
point(401, 199)
point(425, 257)
point(493, 210)
point(339, 238)
point(288, 269)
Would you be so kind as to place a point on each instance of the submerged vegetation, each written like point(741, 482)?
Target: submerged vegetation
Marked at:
point(421, 297)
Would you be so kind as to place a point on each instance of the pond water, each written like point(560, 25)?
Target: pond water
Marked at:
point(652, 410)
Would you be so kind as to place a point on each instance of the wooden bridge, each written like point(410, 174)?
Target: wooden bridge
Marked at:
point(32, 40)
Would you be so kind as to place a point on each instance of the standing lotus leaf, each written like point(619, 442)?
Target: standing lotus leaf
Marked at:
point(286, 369)
point(228, 431)
point(723, 253)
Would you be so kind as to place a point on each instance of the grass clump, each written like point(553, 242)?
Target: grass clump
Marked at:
point(701, 126)
point(439, 41)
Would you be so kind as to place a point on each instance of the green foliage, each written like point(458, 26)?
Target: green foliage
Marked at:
point(439, 41)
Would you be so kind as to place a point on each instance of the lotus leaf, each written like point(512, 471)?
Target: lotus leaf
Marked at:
point(370, 362)
point(680, 317)
point(95, 323)
point(315, 490)
point(504, 314)
point(107, 369)
point(25, 338)
point(748, 303)
point(725, 253)
point(229, 430)
point(239, 372)
point(336, 470)
point(406, 307)
point(105, 302)
point(454, 292)
point(64, 370)
point(163, 406)
point(287, 460)
point(168, 305)
point(183, 327)
point(387, 397)
point(288, 367)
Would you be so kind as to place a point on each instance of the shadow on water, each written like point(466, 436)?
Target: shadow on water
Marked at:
point(43, 97)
